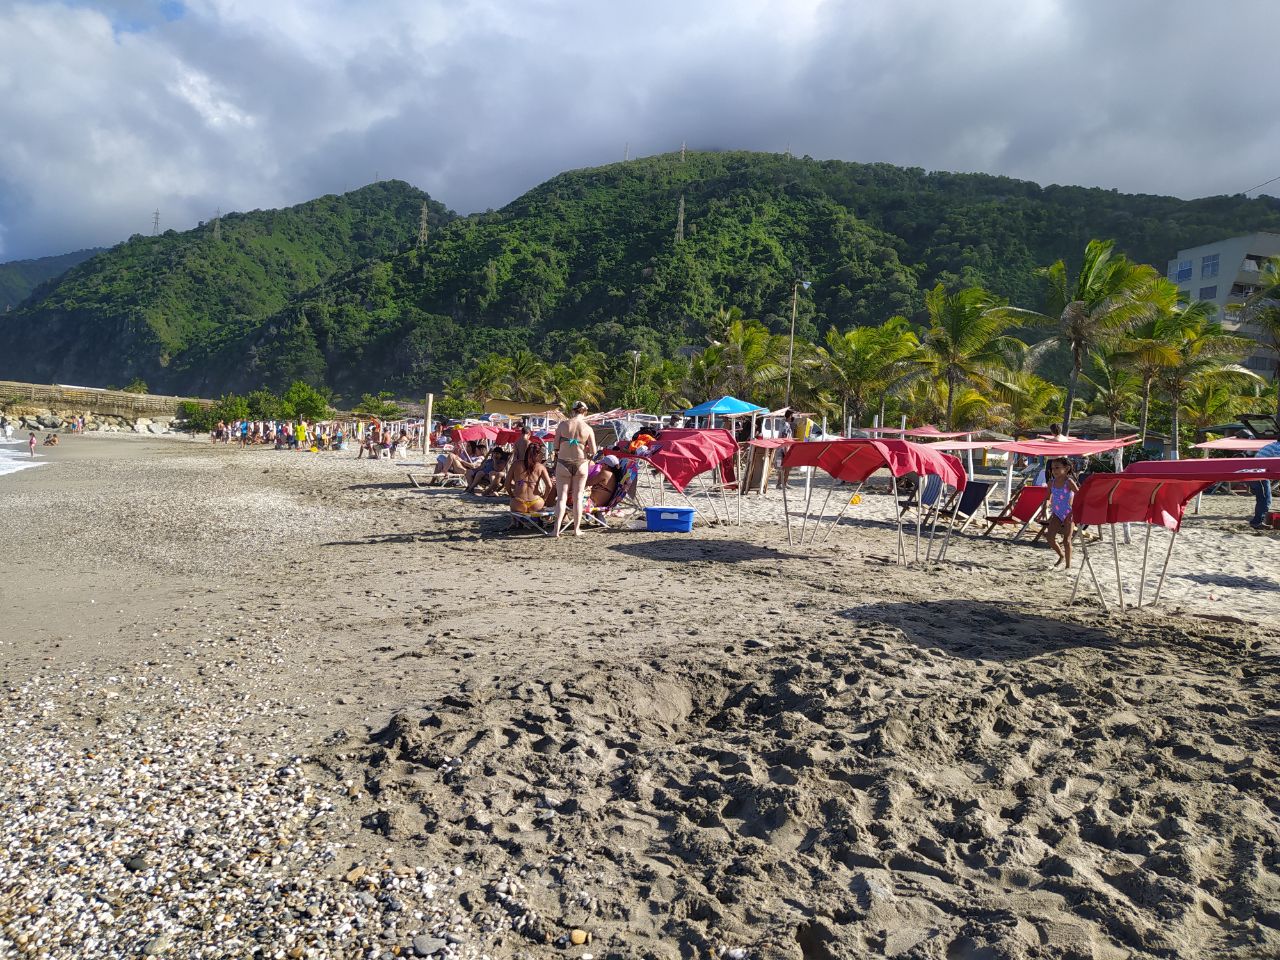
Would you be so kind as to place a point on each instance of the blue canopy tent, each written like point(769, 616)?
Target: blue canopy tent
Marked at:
point(724, 407)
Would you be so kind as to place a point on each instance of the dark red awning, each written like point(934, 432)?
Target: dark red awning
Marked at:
point(1216, 470)
point(1119, 498)
point(685, 454)
point(855, 460)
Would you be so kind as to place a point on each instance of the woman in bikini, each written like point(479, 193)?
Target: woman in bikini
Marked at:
point(575, 446)
point(1062, 490)
point(528, 482)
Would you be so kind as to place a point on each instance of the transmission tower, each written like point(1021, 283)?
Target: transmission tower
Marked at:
point(680, 220)
point(682, 151)
point(422, 226)
point(626, 151)
point(155, 223)
point(217, 225)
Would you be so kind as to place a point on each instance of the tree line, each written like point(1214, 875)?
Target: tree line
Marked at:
point(1134, 352)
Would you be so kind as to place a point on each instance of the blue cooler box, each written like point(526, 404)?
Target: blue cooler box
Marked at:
point(669, 519)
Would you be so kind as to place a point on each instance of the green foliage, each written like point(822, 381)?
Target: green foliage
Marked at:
point(383, 406)
point(136, 385)
point(304, 402)
point(18, 278)
point(186, 311)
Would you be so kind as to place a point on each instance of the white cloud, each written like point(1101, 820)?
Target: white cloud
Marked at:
point(110, 110)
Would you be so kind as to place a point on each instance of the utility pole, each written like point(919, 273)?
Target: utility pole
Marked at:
point(680, 220)
point(217, 225)
point(635, 371)
point(155, 223)
point(791, 350)
point(423, 227)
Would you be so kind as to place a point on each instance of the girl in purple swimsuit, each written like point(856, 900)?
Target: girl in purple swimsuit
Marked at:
point(1062, 490)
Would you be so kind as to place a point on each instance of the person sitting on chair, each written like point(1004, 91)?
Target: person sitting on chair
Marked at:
point(528, 481)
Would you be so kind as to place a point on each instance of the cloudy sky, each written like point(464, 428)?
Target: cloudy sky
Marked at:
point(110, 109)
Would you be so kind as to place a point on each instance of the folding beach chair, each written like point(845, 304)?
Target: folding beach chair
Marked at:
point(598, 516)
point(971, 501)
point(925, 497)
point(424, 480)
point(1026, 505)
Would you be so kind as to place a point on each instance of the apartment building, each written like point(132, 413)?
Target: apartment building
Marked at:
point(1224, 273)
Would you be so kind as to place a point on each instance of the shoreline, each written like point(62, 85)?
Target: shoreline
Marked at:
point(675, 743)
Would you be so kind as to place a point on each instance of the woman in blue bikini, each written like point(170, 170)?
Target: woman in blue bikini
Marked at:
point(1062, 490)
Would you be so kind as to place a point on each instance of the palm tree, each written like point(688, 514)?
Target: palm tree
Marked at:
point(487, 380)
point(965, 342)
point(1025, 401)
point(866, 362)
point(1261, 311)
point(1206, 355)
point(1110, 296)
point(526, 377)
point(1208, 403)
point(750, 358)
point(1115, 389)
point(1151, 346)
point(577, 379)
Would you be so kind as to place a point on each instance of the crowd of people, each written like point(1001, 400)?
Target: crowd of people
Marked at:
point(582, 476)
point(373, 439)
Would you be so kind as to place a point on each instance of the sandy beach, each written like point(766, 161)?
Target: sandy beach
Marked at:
point(284, 705)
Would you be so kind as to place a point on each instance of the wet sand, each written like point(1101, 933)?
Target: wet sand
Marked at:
point(673, 743)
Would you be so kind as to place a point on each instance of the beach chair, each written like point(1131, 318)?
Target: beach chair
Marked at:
point(598, 516)
point(1024, 508)
point(972, 500)
point(924, 497)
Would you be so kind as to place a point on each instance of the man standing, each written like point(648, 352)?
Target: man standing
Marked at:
point(1262, 489)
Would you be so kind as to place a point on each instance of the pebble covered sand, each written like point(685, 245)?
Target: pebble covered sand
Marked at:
point(276, 705)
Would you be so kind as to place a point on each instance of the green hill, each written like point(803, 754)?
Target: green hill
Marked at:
point(594, 253)
point(173, 309)
point(335, 292)
point(19, 277)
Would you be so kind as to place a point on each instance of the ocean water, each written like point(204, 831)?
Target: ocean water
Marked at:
point(14, 457)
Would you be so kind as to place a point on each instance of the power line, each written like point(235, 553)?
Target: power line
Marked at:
point(1262, 184)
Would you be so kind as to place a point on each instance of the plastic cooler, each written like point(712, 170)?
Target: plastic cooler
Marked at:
point(669, 519)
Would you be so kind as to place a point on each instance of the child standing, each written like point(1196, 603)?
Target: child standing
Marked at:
point(1062, 490)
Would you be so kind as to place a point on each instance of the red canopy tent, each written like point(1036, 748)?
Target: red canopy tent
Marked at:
point(474, 431)
point(1111, 498)
point(1064, 448)
point(1212, 469)
point(930, 432)
point(853, 461)
point(685, 454)
point(1233, 443)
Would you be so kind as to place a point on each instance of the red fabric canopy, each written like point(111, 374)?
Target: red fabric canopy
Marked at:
point(1213, 470)
point(963, 445)
point(1233, 443)
point(506, 435)
point(475, 431)
point(855, 460)
point(1120, 498)
point(685, 454)
point(930, 431)
point(1063, 448)
point(771, 443)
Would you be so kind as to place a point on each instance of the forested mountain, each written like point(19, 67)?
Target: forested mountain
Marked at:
point(174, 309)
point(19, 277)
point(336, 292)
point(595, 253)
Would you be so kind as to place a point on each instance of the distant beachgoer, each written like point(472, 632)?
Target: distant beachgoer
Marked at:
point(6, 428)
point(785, 432)
point(575, 446)
point(1262, 489)
point(31, 444)
point(1062, 491)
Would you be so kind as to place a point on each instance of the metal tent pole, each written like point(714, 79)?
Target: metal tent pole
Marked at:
point(1115, 553)
point(830, 490)
point(1008, 478)
point(919, 512)
point(1093, 575)
point(902, 550)
point(933, 528)
point(808, 498)
point(1079, 577)
point(840, 516)
point(786, 513)
point(1146, 546)
point(1165, 568)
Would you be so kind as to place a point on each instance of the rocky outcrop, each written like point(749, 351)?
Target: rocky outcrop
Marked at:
point(41, 420)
